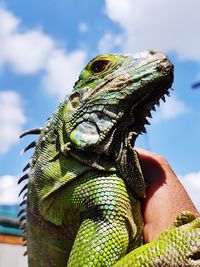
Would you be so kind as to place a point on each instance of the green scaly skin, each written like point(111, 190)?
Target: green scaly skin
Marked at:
point(85, 181)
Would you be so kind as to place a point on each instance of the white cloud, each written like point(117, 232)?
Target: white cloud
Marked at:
point(62, 71)
point(109, 42)
point(29, 51)
point(191, 182)
point(9, 190)
point(121, 11)
point(12, 119)
point(171, 109)
point(83, 27)
point(24, 55)
point(163, 25)
point(25, 51)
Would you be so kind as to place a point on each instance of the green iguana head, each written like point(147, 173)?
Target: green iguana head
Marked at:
point(115, 91)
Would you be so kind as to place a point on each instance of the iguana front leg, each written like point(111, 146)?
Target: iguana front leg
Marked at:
point(178, 246)
point(110, 220)
point(99, 242)
point(102, 241)
point(109, 228)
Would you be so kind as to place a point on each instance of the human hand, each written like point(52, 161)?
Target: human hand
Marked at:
point(165, 196)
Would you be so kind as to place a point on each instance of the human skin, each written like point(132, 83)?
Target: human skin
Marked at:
point(165, 196)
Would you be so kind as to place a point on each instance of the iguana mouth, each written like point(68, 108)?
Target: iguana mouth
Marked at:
point(141, 111)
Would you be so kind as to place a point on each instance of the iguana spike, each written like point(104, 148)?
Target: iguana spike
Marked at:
point(24, 188)
point(21, 212)
point(163, 98)
point(25, 195)
point(23, 227)
point(23, 203)
point(31, 145)
point(31, 131)
point(48, 119)
point(143, 130)
point(146, 121)
point(26, 167)
point(149, 115)
point(157, 102)
point(25, 253)
point(23, 178)
point(23, 232)
point(22, 219)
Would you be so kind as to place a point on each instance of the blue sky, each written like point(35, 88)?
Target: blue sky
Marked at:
point(44, 45)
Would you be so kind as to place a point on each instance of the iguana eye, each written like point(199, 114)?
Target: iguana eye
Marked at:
point(99, 65)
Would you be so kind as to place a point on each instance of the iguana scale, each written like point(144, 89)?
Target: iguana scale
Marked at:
point(83, 207)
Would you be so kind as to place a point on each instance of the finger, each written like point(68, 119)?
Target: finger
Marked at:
point(166, 196)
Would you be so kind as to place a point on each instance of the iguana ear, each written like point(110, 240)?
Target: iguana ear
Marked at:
point(85, 135)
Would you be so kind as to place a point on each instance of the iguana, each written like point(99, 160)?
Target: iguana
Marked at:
point(85, 183)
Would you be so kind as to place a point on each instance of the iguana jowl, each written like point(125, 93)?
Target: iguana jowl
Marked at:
point(85, 181)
